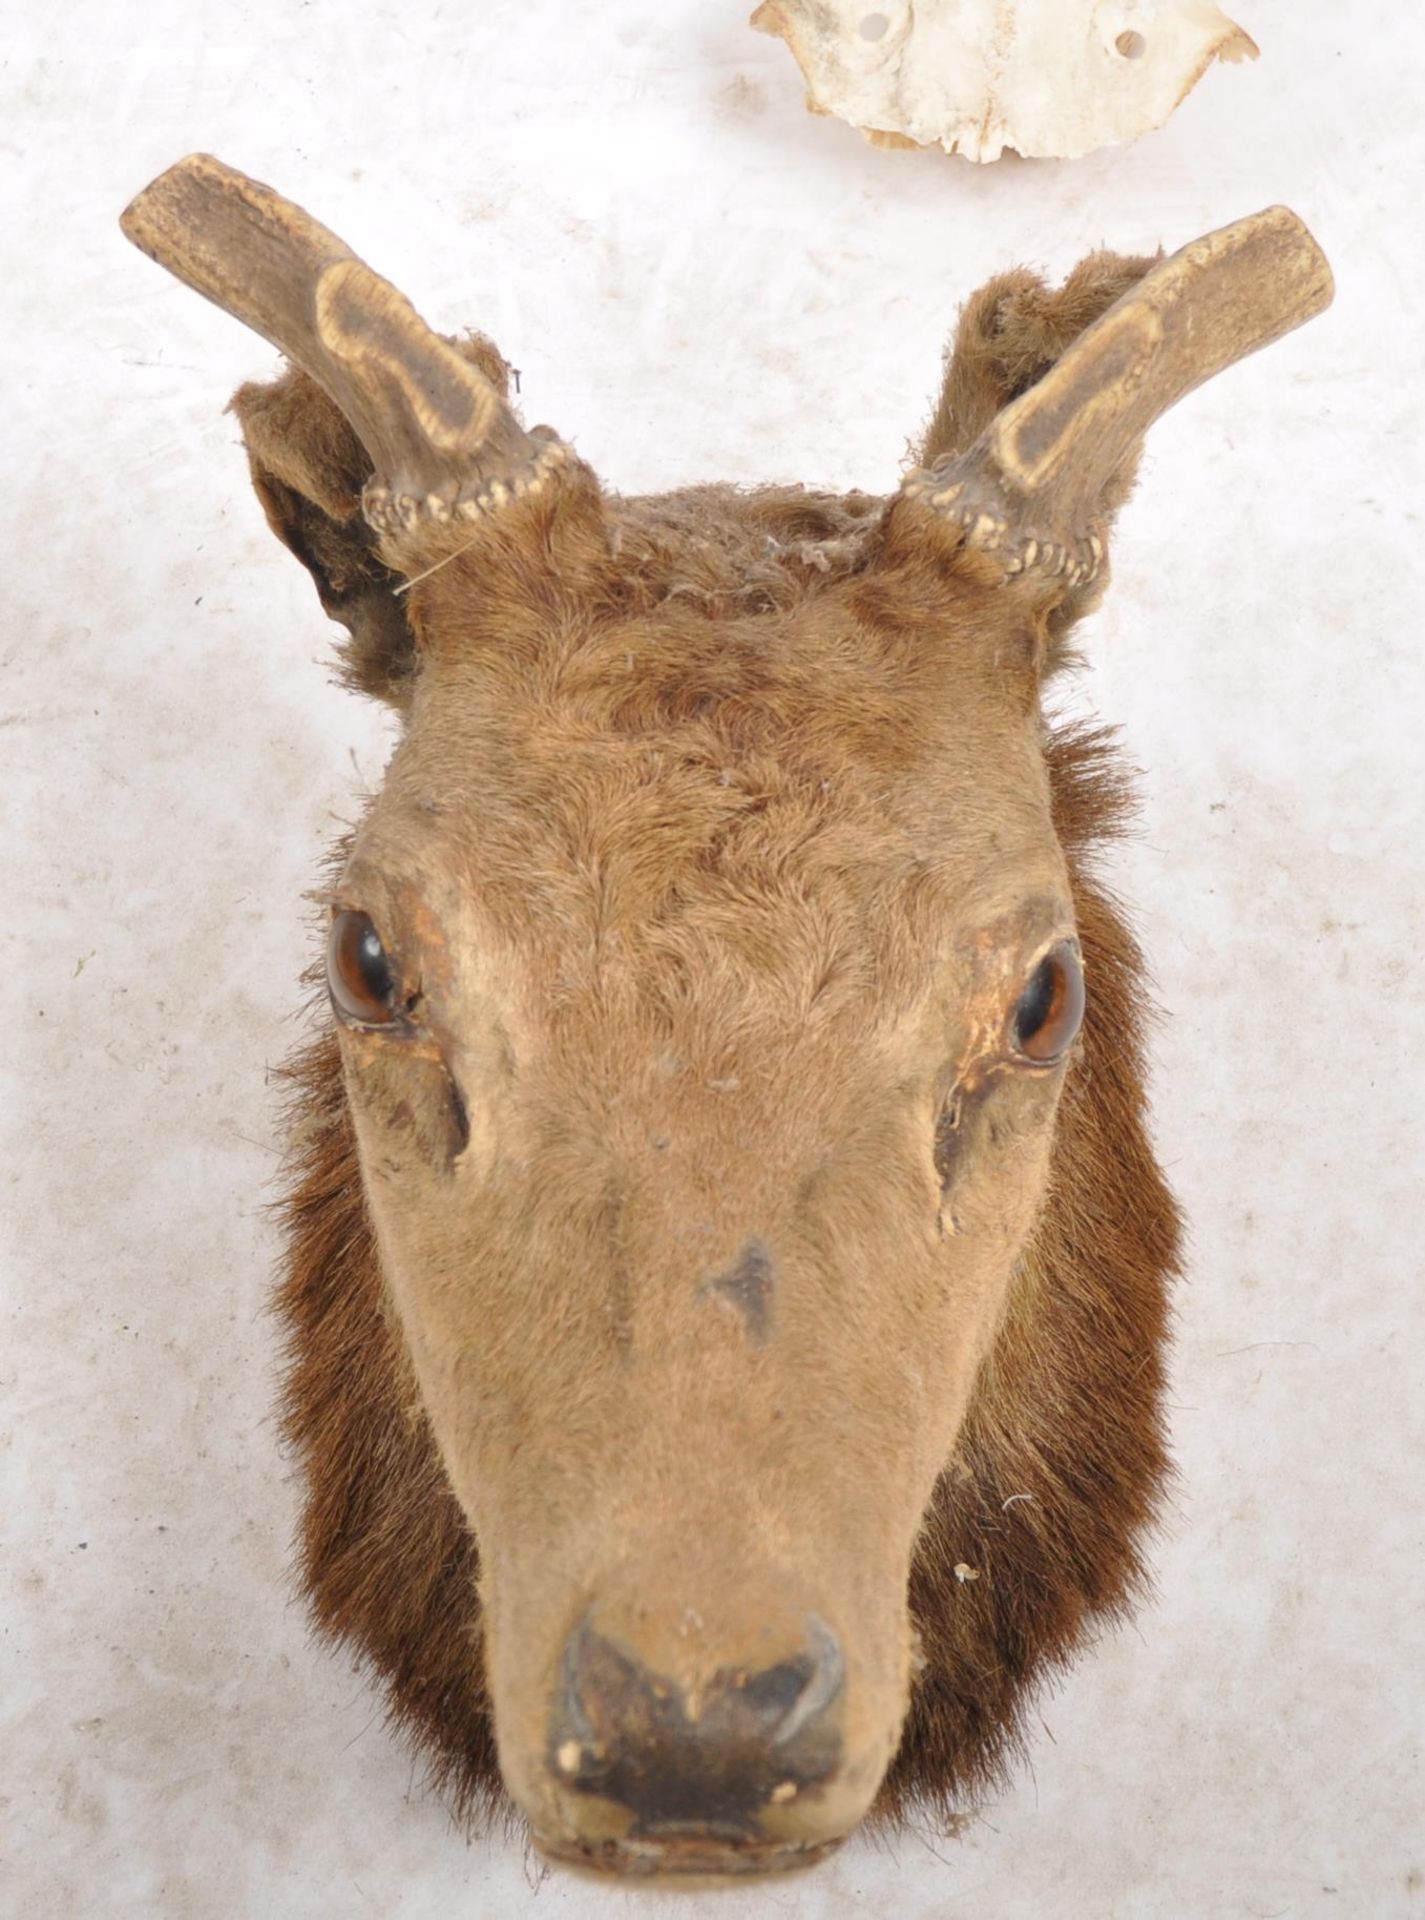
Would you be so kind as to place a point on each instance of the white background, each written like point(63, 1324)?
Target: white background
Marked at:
point(698, 280)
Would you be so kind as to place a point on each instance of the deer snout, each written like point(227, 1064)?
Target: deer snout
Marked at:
point(733, 1773)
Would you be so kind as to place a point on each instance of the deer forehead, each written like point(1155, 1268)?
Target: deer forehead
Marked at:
point(599, 794)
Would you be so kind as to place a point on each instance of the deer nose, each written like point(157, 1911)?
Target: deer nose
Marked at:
point(710, 1760)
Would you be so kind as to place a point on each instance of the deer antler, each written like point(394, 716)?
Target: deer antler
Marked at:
point(1028, 489)
point(442, 440)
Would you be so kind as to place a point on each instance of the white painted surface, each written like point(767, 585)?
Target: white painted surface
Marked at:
point(698, 280)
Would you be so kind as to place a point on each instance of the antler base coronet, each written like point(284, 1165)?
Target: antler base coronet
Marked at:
point(392, 510)
point(964, 498)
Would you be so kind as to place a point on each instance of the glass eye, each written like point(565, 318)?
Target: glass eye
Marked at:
point(1051, 1008)
point(360, 978)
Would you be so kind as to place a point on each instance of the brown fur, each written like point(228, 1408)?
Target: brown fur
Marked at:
point(1059, 1463)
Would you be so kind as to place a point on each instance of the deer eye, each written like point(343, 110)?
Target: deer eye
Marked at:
point(1051, 1008)
point(360, 977)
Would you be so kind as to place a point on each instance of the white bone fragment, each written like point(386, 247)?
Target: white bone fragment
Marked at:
point(1047, 78)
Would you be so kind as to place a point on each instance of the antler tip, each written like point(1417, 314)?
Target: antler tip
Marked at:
point(153, 206)
point(1315, 266)
point(1283, 253)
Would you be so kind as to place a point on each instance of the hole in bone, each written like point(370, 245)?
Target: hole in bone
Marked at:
point(1131, 45)
point(873, 27)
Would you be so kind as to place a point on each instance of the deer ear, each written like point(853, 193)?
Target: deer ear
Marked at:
point(308, 469)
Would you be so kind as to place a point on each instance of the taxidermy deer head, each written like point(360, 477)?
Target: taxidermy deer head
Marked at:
point(726, 1264)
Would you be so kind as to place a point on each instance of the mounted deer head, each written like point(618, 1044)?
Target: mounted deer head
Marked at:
point(727, 1267)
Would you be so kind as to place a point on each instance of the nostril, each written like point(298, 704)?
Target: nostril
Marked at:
point(791, 1695)
point(595, 1675)
point(773, 1693)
